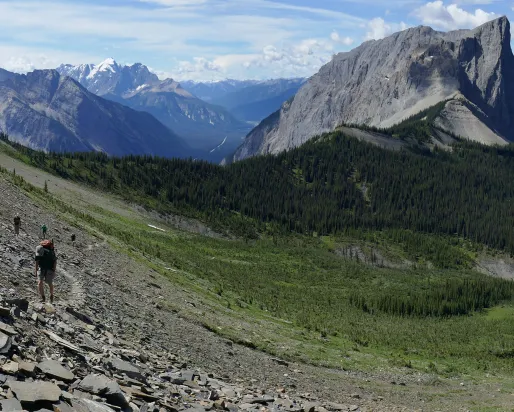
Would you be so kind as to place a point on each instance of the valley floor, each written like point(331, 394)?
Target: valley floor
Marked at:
point(141, 304)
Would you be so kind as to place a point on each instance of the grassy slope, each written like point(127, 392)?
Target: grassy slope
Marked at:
point(289, 296)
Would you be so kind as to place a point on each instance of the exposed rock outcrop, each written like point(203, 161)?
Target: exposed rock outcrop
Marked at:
point(381, 83)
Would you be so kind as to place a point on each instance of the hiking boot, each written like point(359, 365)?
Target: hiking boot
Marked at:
point(43, 299)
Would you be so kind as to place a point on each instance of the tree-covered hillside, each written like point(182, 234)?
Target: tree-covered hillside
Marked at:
point(329, 185)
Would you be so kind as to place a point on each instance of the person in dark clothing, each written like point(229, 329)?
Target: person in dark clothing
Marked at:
point(46, 263)
point(17, 224)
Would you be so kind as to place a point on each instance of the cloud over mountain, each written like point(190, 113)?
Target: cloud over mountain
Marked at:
point(216, 39)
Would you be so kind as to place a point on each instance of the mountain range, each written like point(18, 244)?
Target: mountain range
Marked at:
point(212, 118)
point(467, 75)
point(47, 111)
point(202, 125)
point(381, 83)
point(248, 100)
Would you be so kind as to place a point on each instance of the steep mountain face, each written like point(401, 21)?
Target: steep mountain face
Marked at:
point(44, 110)
point(248, 100)
point(202, 125)
point(381, 83)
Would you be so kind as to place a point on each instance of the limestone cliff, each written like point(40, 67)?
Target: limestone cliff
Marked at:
point(381, 83)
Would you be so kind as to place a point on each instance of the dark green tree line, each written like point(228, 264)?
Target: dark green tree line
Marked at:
point(319, 187)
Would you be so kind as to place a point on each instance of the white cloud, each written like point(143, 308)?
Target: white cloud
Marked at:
point(198, 65)
point(347, 41)
point(452, 17)
point(190, 38)
point(299, 59)
point(254, 38)
point(378, 28)
point(24, 59)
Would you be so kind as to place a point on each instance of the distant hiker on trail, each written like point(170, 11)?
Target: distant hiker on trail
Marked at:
point(43, 231)
point(73, 237)
point(46, 262)
point(17, 224)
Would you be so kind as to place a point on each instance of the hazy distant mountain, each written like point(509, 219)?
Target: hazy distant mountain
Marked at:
point(202, 125)
point(248, 100)
point(216, 90)
point(381, 83)
point(47, 111)
point(256, 102)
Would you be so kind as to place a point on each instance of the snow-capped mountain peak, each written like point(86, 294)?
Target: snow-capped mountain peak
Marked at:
point(108, 65)
point(109, 77)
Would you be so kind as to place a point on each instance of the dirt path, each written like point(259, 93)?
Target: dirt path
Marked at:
point(76, 296)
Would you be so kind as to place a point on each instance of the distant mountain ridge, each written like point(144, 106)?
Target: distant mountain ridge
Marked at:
point(381, 83)
point(202, 125)
point(248, 100)
point(215, 90)
point(44, 110)
point(109, 77)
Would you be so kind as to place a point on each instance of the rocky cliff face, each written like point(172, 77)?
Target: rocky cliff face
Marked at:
point(381, 83)
point(202, 125)
point(47, 111)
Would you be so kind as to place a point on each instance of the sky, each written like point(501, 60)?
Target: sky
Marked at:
point(216, 39)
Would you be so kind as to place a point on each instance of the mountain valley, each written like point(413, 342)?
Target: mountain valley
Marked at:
point(203, 256)
point(201, 125)
point(337, 243)
point(251, 101)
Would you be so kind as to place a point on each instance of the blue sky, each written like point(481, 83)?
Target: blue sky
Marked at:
point(216, 39)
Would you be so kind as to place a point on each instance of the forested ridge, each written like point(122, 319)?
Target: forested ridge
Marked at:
point(329, 185)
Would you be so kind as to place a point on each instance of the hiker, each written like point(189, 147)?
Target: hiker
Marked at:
point(17, 224)
point(46, 262)
point(43, 231)
point(73, 237)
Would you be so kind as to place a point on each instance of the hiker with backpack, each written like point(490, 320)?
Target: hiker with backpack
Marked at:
point(46, 262)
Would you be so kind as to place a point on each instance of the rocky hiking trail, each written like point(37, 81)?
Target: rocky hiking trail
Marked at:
point(101, 347)
point(111, 343)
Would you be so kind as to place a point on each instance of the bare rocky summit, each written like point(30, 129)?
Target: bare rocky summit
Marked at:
point(381, 83)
